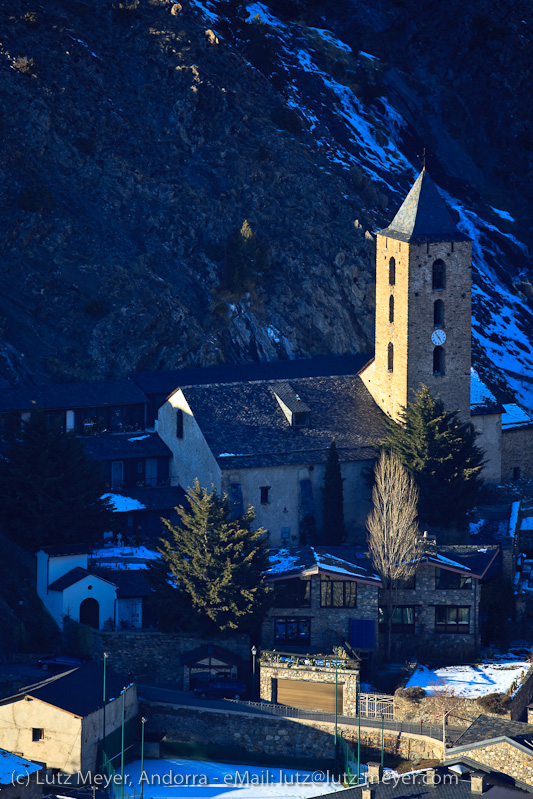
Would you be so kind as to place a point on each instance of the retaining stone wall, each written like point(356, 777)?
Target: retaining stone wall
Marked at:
point(156, 656)
point(273, 735)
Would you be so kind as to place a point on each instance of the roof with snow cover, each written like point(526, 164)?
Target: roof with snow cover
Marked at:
point(13, 766)
point(71, 395)
point(257, 433)
point(469, 559)
point(347, 562)
point(486, 728)
point(423, 216)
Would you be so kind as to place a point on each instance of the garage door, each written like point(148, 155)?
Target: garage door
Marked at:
point(310, 695)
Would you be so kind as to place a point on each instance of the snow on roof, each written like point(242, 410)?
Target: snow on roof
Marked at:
point(282, 561)
point(449, 562)
point(515, 507)
point(13, 766)
point(527, 523)
point(139, 438)
point(479, 393)
point(515, 416)
point(494, 676)
point(122, 504)
point(331, 563)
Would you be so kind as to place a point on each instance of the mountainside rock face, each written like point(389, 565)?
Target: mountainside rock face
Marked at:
point(192, 183)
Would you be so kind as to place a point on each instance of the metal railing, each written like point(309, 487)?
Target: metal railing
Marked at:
point(167, 695)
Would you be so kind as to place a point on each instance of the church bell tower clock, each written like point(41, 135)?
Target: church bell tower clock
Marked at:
point(423, 306)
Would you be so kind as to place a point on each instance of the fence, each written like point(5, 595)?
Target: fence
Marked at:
point(233, 705)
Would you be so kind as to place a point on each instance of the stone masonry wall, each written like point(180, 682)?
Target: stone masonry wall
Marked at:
point(505, 758)
point(517, 451)
point(279, 737)
point(348, 678)
point(329, 626)
point(412, 326)
point(426, 642)
point(156, 656)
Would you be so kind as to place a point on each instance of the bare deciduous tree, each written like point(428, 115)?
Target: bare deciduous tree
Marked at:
point(393, 539)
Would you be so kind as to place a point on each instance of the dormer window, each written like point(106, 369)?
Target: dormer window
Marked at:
point(295, 410)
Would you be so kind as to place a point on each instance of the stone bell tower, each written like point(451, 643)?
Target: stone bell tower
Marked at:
point(423, 306)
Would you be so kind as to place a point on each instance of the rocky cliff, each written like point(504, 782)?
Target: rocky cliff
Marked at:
point(140, 136)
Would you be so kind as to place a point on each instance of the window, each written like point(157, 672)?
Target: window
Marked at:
point(451, 619)
point(390, 357)
point(140, 467)
point(439, 275)
point(392, 272)
point(37, 734)
point(403, 619)
point(338, 593)
point(235, 496)
point(292, 631)
point(295, 593)
point(450, 580)
point(265, 495)
point(117, 473)
point(438, 361)
point(438, 313)
point(300, 418)
point(179, 423)
point(391, 308)
point(516, 473)
point(285, 534)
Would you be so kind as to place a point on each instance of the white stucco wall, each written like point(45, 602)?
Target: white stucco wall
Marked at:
point(69, 742)
point(102, 591)
point(51, 567)
point(191, 456)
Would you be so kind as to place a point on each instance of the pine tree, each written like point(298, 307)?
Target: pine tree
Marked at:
point(50, 492)
point(441, 453)
point(332, 497)
point(217, 561)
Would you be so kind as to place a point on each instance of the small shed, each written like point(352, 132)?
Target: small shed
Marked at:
point(18, 777)
point(208, 662)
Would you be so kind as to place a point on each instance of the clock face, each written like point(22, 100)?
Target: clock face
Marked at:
point(438, 337)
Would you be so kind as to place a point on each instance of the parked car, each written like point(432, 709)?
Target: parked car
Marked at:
point(60, 663)
point(221, 689)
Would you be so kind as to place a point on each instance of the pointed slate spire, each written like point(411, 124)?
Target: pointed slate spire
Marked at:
point(423, 216)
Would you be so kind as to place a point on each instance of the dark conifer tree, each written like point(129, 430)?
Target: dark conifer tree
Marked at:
point(50, 492)
point(217, 561)
point(332, 496)
point(440, 451)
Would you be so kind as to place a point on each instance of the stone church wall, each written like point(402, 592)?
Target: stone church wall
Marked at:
point(517, 453)
point(490, 441)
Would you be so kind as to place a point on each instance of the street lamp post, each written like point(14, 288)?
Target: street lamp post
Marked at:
point(143, 721)
point(104, 698)
point(254, 655)
point(122, 747)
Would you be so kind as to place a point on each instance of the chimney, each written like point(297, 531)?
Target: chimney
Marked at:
point(375, 772)
point(477, 782)
point(368, 793)
point(432, 777)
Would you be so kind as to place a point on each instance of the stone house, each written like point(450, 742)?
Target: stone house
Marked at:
point(438, 609)
point(328, 597)
point(19, 777)
point(60, 721)
point(322, 598)
point(500, 745)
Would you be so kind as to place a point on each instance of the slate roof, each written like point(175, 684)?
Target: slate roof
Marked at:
point(158, 499)
point(413, 786)
point(124, 446)
point(78, 691)
point(424, 216)
point(129, 582)
point(201, 652)
point(257, 433)
point(71, 578)
point(486, 728)
point(71, 395)
point(289, 397)
point(474, 560)
point(161, 384)
point(66, 549)
point(346, 561)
